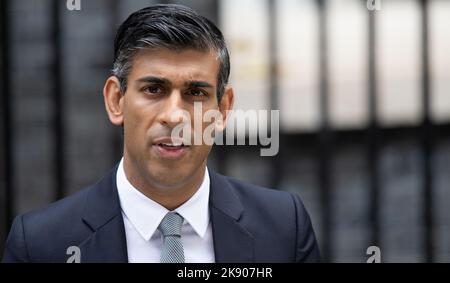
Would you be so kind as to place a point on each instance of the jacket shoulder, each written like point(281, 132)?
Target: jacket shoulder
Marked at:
point(278, 220)
point(59, 213)
point(35, 235)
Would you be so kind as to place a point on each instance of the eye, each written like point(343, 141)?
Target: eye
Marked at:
point(196, 92)
point(153, 90)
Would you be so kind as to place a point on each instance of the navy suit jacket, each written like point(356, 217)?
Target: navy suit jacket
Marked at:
point(249, 224)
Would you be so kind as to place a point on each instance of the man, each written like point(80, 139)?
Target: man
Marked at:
point(161, 203)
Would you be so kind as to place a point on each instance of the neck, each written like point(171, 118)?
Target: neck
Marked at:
point(170, 197)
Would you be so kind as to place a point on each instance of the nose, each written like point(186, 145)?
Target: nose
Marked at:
point(172, 111)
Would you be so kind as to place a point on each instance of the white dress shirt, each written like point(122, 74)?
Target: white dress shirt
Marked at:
point(142, 215)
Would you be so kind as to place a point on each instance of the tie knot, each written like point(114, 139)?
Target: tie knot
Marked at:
point(171, 224)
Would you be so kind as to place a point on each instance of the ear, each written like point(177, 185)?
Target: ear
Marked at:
point(226, 105)
point(114, 100)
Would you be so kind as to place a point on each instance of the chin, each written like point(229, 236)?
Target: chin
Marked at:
point(166, 177)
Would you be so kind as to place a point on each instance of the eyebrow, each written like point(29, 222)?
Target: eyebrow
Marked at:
point(155, 80)
point(198, 84)
point(164, 81)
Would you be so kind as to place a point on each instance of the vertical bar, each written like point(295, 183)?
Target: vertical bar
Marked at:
point(221, 153)
point(273, 50)
point(58, 105)
point(373, 134)
point(6, 117)
point(221, 159)
point(325, 143)
point(426, 138)
point(277, 163)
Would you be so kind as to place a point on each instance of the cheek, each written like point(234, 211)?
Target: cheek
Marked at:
point(137, 120)
point(129, 121)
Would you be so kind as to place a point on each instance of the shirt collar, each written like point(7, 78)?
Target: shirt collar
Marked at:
point(145, 214)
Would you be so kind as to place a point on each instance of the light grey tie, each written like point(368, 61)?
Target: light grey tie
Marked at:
point(170, 227)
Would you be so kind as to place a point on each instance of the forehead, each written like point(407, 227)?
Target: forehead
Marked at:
point(175, 65)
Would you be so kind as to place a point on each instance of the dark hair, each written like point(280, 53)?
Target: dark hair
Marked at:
point(169, 26)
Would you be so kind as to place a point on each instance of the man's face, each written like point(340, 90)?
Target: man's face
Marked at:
point(161, 84)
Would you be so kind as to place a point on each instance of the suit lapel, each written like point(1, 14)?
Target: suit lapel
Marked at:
point(107, 243)
point(103, 215)
point(232, 242)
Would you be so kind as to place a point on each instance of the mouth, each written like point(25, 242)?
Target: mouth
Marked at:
point(170, 149)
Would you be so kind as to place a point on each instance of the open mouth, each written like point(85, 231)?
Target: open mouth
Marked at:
point(170, 149)
point(171, 146)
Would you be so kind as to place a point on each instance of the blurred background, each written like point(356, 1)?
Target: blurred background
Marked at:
point(364, 100)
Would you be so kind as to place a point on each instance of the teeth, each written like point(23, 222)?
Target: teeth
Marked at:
point(170, 144)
